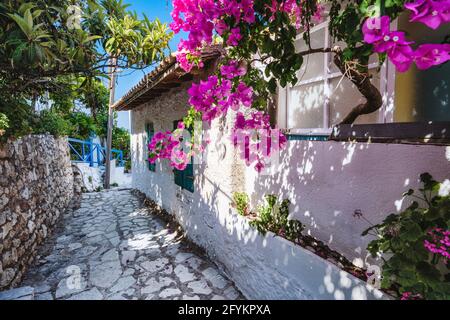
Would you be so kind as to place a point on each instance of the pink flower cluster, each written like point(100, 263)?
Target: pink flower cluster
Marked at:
point(407, 295)
point(432, 13)
point(214, 96)
point(439, 242)
point(294, 9)
point(169, 145)
point(200, 18)
point(255, 139)
point(377, 32)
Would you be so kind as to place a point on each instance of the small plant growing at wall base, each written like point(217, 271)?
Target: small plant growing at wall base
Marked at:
point(418, 242)
point(274, 217)
point(241, 203)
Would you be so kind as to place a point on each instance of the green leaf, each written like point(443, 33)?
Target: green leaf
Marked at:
point(408, 193)
point(410, 231)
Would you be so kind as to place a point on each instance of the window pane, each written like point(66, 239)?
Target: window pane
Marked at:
point(344, 96)
point(305, 109)
point(313, 64)
point(422, 95)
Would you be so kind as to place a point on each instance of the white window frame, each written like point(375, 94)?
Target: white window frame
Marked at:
point(387, 84)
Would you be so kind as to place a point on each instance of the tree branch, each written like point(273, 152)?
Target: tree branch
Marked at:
point(318, 50)
point(359, 76)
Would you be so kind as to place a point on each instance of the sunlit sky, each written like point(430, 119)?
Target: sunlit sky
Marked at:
point(152, 8)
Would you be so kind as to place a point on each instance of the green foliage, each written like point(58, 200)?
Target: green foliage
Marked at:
point(41, 40)
point(18, 115)
point(274, 217)
point(241, 202)
point(190, 119)
point(401, 236)
point(121, 141)
point(80, 125)
point(128, 165)
point(49, 122)
point(271, 41)
point(4, 123)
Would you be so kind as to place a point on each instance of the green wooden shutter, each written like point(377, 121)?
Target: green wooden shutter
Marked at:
point(150, 133)
point(184, 178)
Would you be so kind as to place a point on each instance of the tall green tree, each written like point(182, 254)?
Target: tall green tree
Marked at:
point(42, 40)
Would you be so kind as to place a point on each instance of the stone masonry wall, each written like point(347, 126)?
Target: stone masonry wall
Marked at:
point(36, 186)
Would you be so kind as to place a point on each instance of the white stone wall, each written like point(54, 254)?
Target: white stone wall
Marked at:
point(119, 176)
point(92, 176)
point(325, 181)
point(36, 186)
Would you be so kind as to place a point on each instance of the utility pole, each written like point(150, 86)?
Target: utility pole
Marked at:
point(112, 88)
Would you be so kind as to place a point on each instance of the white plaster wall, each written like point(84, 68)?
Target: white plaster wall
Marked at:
point(119, 176)
point(94, 172)
point(262, 267)
point(327, 181)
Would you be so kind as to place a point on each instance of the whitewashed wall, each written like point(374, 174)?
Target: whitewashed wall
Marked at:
point(92, 176)
point(325, 181)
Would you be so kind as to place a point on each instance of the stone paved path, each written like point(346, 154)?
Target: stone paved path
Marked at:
point(113, 248)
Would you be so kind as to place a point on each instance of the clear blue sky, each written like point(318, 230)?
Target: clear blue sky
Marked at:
point(153, 9)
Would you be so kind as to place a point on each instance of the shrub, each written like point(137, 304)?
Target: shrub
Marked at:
point(17, 118)
point(417, 241)
point(127, 165)
point(241, 203)
point(4, 123)
point(51, 123)
point(274, 217)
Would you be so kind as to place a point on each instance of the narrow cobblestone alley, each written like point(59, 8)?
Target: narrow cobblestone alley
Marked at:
point(114, 248)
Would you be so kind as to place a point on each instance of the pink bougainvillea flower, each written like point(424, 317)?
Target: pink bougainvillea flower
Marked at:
point(375, 29)
point(255, 139)
point(248, 12)
point(184, 62)
point(397, 48)
point(391, 41)
point(438, 243)
point(179, 159)
point(234, 37)
point(410, 296)
point(432, 13)
point(272, 8)
point(232, 70)
point(220, 27)
point(428, 55)
point(401, 56)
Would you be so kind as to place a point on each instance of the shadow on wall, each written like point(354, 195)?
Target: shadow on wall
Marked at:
point(262, 267)
point(327, 182)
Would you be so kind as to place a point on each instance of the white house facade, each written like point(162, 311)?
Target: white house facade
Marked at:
point(328, 175)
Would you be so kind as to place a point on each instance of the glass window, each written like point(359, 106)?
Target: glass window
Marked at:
point(322, 97)
point(344, 96)
point(306, 106)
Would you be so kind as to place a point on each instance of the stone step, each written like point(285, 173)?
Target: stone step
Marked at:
point(22, 293)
